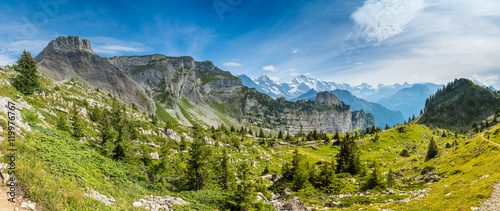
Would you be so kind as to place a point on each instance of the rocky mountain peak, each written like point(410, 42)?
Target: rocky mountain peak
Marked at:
point(328, 98)
point(65, 44)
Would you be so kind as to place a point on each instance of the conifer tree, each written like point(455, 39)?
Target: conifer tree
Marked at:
point(261, 133)
point(198, 165)
point(62, 124)
point(280, 135)
point(77, 125)
point(432, 150)
point(374, 180)
point(390, 178)
point(348, 158)
point(387, 127)
point(27, 80)
point(244, 194)
point(225, 173)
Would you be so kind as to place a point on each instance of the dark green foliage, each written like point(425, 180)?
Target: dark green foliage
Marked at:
point(426, 170)
point(459, 105)
point(432, 150)
point(225, 174)
point(62, 124)
point(390, 179)
point(374, 180)
point(27, 80)
point(244, 195)
point(448, 145)
point(77, 125)
point(404, 153)
point(348, 157)
point(198, 164)
point(261, 133)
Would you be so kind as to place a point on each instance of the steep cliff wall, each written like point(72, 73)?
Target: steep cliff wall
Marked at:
point(71, 57)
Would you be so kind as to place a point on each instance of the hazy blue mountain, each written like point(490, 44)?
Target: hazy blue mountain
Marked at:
point(382, 114)
point(409, 101)
point(302, 84)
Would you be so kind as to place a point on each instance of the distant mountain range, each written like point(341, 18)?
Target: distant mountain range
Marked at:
point(302, 84)
point(390, 104)
point(381, 114)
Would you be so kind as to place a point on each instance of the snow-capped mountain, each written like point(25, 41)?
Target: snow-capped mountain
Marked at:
point(302, 84)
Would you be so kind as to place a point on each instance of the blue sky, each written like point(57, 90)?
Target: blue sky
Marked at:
point(373, 41)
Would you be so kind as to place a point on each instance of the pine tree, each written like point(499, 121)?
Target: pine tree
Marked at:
point(280, 135)
point(390, 178)
point(244, 194)
point(27, 80)
point(348, 158)
point(198, 165)
point(432, 150)
point(77, 125)
point(107, 136)
point(261, 133)
point(225, 173)
point(374, 180)
point(62, 124)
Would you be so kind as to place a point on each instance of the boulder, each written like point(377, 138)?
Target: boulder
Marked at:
point(294, 205)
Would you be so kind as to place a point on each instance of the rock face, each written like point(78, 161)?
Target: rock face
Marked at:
point(71, 57)
point(174, 78)
point(302, 115)
point(328, 98)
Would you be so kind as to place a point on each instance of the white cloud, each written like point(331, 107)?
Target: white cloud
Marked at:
point(486, 80)
point(113, 46)
point(270, 68)
point(231, 64)
point(114, 49)
point(296, 50)
point(378, 20)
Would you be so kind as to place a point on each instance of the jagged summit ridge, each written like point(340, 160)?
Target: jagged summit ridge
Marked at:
point(64, 44)
point(71, 57)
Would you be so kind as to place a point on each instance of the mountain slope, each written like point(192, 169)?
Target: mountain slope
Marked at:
point(381, 114)
point(71, 57)
point(200, 93)
point(408, 100)
point(459, 105)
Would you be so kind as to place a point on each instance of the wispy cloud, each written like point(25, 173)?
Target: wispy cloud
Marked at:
point(295, 50)
point(271, 68)
point(113, 46)
point(231, 64)
point(378, 20)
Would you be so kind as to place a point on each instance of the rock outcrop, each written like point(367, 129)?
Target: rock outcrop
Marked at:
point(67, 58)
point(328, 98)
point(159, 202)
point(174, 78)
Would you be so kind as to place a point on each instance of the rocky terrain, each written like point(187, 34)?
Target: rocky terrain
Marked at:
point(67, 58)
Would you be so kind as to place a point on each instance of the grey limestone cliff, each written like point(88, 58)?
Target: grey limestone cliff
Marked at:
point(71, 57)
point(169, 79)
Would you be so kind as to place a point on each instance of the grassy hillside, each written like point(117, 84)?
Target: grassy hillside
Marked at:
point(460, 105)
point(55, 168)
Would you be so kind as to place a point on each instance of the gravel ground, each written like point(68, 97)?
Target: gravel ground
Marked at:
point(493, 203)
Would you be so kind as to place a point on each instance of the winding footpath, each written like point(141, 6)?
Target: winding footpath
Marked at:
point(493, 203)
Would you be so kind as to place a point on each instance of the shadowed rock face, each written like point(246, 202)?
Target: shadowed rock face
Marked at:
point(71, 57)
point(328, 98)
